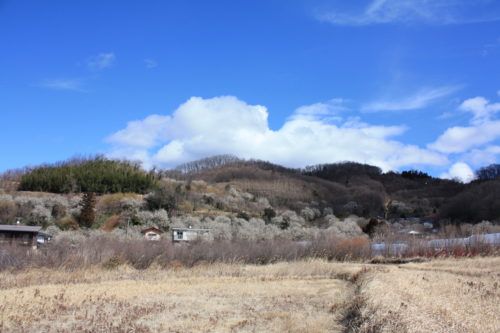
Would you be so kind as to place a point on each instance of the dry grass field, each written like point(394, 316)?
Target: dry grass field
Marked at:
point(447, 295)
point(306, 296)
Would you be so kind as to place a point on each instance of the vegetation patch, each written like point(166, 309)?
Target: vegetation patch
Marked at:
point(99, 175)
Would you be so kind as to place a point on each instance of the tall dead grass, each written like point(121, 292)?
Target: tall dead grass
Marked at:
point(110, 252)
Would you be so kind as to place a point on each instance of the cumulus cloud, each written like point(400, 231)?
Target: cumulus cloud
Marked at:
point(221, 125)
point(419, 100)
point(460, 139)
point(484, 156)
point(481, 109)
point(142, 133)
point(482, 130)
point(101, 61)
point(460, 171)
point(415, 11)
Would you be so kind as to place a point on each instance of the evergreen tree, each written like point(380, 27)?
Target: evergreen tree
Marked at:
point(87, 216)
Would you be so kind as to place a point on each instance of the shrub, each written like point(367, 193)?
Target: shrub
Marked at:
point(26, 204)
point(131, 204)
point(8, 210)
point(345, 229)
point(53, 230)
point(58, 210)
point(243, 215)
point(40, 216)
point(163, 197)
point(68, 223)
point(308, 214)
point(269, 214)
point(284, 224)
point(113, 262)
point(186, 207)
point(117, 202)
point(220, 228)
point(158, 218)
point(111, 223)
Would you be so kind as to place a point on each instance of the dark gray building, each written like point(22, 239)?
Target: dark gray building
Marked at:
point(19, 234)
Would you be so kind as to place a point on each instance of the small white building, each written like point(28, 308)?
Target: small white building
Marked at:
point(189, 234)
point(43, 238)
point(152, 234)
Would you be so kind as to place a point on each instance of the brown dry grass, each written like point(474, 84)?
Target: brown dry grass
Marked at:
point(449, 295)
point(308, 296)
point(444, 295)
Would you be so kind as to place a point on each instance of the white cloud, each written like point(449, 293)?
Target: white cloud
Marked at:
point(482, 130)
point(333, 106)
point(101, 61)
point(482, 157)
point(417, 101)
point(150, 63)
point(64, 84)
point(415, 11)
point(204, 127)
point(460, 171)
point(328, 111)
point(460, 139)
point(141, 133)
point(481, 109)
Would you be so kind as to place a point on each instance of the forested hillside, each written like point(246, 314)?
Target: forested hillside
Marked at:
point(243, 198)
point(354, 188)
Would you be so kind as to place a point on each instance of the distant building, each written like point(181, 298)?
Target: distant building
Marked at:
point(22, 235)
point(152, 234)
point(188, 234)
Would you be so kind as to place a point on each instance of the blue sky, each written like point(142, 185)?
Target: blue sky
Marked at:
point(396, 83)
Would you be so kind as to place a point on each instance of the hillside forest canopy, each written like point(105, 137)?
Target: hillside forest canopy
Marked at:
point(345, 188)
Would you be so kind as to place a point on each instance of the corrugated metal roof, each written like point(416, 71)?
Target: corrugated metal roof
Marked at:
point(21, 228)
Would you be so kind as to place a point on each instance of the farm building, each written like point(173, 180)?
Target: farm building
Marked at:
point(188, 234)
point(22, 234)
point(152, 233)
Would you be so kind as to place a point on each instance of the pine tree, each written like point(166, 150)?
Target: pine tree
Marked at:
point(87, 216)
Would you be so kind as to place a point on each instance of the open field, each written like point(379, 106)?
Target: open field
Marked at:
point(445, 295)
point(437, 296)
